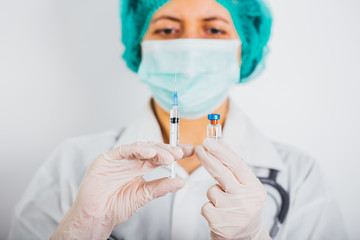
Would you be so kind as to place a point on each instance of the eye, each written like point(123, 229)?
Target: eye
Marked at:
point(215, 31)
point(166, 31)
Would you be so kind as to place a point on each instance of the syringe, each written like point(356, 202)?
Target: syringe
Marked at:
point(174, 127)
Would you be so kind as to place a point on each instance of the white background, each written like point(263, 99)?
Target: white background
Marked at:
point(61, 75)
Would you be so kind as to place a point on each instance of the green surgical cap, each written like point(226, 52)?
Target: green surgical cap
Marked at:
point(252, 20)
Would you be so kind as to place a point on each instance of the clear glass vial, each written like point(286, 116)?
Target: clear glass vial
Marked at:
point(214, 128)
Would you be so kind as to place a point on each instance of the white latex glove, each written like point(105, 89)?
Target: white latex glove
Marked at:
point(236, 203)
point(113, 189)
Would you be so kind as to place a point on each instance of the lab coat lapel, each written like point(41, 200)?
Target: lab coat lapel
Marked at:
point(244, 139)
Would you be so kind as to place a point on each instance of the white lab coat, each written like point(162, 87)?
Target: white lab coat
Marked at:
point(312, 214)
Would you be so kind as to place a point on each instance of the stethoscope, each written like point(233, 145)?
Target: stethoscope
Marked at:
point(270, 181)
point(285, 200)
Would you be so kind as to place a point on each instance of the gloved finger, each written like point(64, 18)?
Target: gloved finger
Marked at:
point(218, 171)
point(159, 187)
point(218, 218)
point(212, 214)
point(188, 150)
point(222, 152)
point(221, 199)
point(142, 151)
point(206, 211)
point(214, 194)
point(177, 152)
point(180, 152)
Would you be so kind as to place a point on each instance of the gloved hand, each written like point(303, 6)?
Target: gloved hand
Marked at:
point(113, 189)
point(236, 203)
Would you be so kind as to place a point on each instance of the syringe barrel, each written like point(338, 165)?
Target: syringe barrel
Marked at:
point(174, 133)
point(174, 112)
point(174, 126)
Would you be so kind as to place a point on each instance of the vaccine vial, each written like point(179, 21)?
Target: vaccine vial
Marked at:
point(214, 128)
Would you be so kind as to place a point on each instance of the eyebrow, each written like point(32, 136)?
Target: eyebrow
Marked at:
point(167, 18)
point(215, 18)
point(208, 19)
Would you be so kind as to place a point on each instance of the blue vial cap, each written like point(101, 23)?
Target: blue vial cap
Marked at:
point(214, 116)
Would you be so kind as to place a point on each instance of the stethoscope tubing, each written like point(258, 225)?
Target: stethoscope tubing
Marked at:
point(285, 200)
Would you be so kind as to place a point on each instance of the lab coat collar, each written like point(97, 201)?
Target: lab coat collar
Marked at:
point(238, 133)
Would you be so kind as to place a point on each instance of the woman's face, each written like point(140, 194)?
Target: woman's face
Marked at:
point(192, 19)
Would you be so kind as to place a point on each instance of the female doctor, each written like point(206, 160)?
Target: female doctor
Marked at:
point(115, 184)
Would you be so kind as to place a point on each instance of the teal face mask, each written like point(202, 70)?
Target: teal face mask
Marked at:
point(205, 71)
